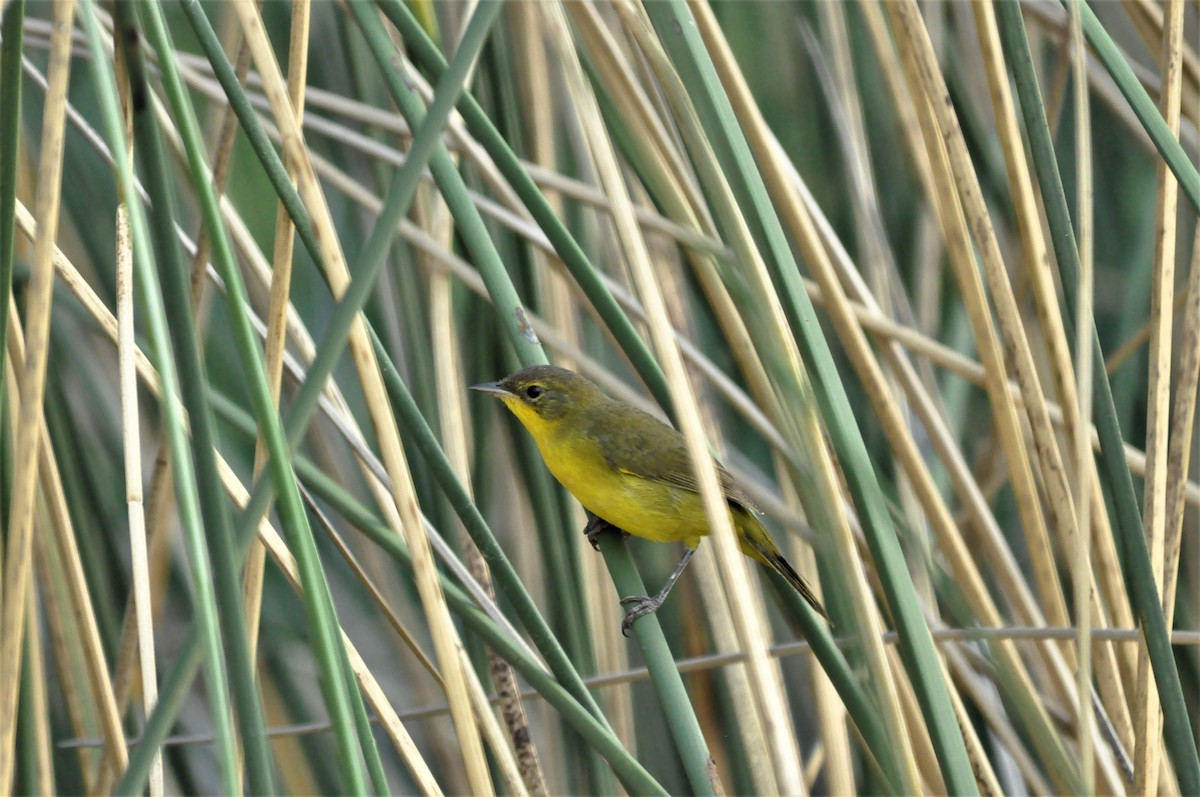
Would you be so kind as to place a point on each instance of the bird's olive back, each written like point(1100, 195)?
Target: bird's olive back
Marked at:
point(553, 393)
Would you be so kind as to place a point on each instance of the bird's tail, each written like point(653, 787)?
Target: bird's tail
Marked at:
point(758, 545)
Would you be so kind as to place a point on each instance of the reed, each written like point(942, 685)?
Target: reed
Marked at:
point(895, 265)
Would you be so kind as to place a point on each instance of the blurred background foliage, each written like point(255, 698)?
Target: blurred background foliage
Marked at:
point(849, 245)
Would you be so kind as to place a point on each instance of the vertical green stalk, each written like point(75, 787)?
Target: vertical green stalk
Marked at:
point(677, 708)
point(194, 382)
point(362, 725)
point(6, 464)
point(1177, 722)
point(208, 639)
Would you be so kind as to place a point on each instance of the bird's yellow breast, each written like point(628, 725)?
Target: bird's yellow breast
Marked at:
point(640, 506)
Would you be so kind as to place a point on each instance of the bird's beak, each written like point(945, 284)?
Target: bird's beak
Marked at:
point(495, 388)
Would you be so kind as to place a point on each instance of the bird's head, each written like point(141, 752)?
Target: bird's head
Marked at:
point(543, 396)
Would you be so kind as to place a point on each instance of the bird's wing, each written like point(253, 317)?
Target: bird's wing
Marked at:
point(635, 446)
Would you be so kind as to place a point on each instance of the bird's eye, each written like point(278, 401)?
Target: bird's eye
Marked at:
point(533, 391)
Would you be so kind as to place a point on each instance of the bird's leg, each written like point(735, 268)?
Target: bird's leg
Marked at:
point(596, 525)
point(639, 605)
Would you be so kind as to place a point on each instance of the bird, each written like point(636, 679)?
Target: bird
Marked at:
point(631, 471)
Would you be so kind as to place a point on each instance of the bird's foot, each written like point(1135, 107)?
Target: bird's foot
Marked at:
point(596, 526)
point(637, 606)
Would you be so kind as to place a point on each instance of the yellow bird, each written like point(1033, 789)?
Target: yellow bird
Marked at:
point(631, 470)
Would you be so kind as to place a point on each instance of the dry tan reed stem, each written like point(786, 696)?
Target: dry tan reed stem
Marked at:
point(19, 553)
point(1147, 714)
point(58, 543)
point(981, 764)
point(161, 487)
point(431, 212)
point(919, 741)
point(278, 303)
point(1183, 420)
point(62, 537)
point(1078, 548)
point(139, 559)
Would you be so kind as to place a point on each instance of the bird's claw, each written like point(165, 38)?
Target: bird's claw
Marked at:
point(637, 606)
point(596, 526)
